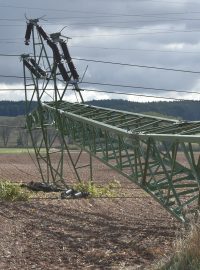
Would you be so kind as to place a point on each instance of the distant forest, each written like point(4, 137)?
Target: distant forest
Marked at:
point(187, 110)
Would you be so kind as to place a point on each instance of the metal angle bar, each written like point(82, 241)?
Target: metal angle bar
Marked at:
point(178, 186)
point(142, 127)
point(128, 121)
point(171, 174)
point(191, 130)
point(138, 115)
point(129, 160)
point(52, 168)
point(101, 116)
point(162, 129)
point(83, 166)
point(146, 162)
point(104, 149)
point(191, 162)
point(79, 155)
point(178, 210)
point(88, 113)
point(67, 149)
point(167, 175)
point(113, 119)
point(172, 137)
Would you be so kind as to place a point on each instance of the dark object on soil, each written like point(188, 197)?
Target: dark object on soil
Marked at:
point(73, 194)
point(38, 186)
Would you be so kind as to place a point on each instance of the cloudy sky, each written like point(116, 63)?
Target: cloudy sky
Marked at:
point(136, 32)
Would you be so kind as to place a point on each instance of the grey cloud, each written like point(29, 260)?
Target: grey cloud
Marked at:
point(88, 18)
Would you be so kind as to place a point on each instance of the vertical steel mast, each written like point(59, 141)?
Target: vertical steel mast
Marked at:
point(49, 79)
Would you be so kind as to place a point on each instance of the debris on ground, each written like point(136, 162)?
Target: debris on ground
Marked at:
point(39, 186)
point(73, 194)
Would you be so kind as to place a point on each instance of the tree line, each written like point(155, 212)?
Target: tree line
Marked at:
point(187, 110)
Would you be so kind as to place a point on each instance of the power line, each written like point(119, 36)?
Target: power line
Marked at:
point(138, 95)
point(134, 49)
point(111, 15)
point(142, 87)
point(8, 40)
point(136, 65)
point(121, 64)
point(122, 93)
point(112, 22)
point(135, 34)
point(104, 13)
point(167, 2)
point(135, 21)
point(11, 76)
point(117, 48)
point(127, 34)
point(118, 93)
point(10, 55)
point(111, 85)
point(143, 15)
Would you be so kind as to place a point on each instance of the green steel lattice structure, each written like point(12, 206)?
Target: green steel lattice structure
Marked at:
point(159, 155)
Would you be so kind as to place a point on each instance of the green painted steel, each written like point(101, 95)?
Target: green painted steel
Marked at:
point(159, 155)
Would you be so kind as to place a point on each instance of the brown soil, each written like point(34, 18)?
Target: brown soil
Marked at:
point(101, 233)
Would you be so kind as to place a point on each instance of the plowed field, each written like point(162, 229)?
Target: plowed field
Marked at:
point(127, 232)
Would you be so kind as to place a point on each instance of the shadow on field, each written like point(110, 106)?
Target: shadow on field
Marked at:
point(73, 235)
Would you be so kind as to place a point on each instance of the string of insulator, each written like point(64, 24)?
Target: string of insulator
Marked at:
point(69, 60)
point(57, 59)
point(29, 29)
point(63, 72)
point(55, 50)
point(42, 32)
point(65, 51)
point(31, 68)
point(37, 67)
point(73, 70)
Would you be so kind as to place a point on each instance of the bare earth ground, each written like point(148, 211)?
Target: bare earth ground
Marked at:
point(108, 233)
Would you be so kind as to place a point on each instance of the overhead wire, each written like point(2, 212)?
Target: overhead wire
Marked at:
point(121, 93)
point(136, 65)
point(124, 93)
point(111, 85)
point(118, 34)
point(89, 12)
point(167, 2)
point(137, 95)
point(120, 64)
point(141, 87)
point(133, 49)
point(117, 48)
point(102, 25)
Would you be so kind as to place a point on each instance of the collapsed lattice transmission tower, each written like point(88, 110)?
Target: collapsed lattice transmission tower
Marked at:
point(159, 155)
